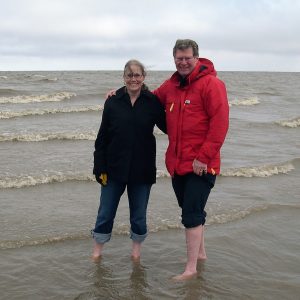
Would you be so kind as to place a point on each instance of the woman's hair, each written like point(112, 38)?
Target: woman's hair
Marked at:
point(185, 44)
point(135, 62)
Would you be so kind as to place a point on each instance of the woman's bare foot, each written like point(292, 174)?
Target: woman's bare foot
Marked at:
point(136, 251)
point(97, 252)
point(135, 259)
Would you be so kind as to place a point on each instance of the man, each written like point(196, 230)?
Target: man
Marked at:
point(197, 115)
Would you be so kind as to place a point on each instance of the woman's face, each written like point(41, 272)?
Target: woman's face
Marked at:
point(134, 79)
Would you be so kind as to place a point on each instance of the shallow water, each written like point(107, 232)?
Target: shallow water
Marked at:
point(49, 198)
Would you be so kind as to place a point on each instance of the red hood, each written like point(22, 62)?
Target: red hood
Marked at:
point(203, 67)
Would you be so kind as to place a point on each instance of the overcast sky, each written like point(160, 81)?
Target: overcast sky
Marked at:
point(237, 35)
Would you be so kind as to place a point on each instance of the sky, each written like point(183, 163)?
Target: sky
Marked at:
point(237, 35)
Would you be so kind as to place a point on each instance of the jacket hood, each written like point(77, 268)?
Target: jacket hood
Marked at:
point(203, 67)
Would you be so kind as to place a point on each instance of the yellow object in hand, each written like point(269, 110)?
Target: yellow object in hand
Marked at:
point(103, 178)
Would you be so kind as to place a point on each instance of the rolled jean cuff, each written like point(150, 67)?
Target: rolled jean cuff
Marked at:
point(137, 237)
point(100, 238)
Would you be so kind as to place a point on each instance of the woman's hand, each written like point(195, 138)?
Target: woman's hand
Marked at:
point(102, 178)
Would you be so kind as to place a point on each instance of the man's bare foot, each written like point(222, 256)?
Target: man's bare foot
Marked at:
point(185, 276)
point(202, 257)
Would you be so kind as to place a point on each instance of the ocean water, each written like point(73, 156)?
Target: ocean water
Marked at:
point(49, 198)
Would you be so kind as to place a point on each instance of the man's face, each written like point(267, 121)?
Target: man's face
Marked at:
point(185, 61)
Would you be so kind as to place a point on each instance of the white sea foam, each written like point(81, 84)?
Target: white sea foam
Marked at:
point(292, 123)
point(247, 102)
point(3, 77)
point(162, 174)
point(48, 136)
point(51, 79)
point(259, 171)
point(40, 137)
point(33, 180)
point(55, 97)
point(38, 76)
point(15, 114)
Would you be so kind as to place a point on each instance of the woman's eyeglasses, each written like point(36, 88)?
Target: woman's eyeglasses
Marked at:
point(133, 75)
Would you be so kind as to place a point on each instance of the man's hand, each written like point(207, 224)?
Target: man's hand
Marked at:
point(199, 168)
point(110, 93)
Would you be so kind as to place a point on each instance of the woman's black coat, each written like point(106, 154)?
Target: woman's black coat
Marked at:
point(125, 147)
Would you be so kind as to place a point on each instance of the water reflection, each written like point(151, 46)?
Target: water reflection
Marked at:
point(138, 280)
point(126, 280)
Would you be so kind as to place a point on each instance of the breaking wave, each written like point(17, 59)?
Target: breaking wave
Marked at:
point(239, 214)
point(40, 241)
point(16, 114)
point(259, 171)
point(55, 97)
point(245, 102)
point(40, 77)
point(157, 225)
point(49, 79)
point(292, 123)
point(33, 180)
point(40, 137)
point(45, 136)
point(6, 92)
point(37, 76)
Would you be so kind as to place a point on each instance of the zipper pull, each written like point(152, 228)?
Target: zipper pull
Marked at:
point(171, 107)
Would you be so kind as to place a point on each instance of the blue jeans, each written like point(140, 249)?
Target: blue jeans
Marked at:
point(138, 196)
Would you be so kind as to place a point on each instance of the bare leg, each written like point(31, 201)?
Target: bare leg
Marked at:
point(193, 240)
point(136, 251)
point(97, 252)
point(202, 252)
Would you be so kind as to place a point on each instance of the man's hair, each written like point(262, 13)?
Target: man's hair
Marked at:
point(185, 44)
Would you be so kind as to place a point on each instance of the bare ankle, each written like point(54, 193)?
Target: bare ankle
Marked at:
point(202, 257)
point(136, 250)
point(97, 250)
point(186, 275)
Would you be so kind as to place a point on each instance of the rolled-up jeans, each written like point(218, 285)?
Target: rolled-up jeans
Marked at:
point(138, 196)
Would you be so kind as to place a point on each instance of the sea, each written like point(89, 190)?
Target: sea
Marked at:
point(49, 198)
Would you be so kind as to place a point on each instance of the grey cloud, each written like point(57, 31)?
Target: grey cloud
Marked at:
point(118, 30)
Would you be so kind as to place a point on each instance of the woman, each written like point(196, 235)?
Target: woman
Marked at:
point(124, 156)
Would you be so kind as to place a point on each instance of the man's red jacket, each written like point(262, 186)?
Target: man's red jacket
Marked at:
point(197, 113)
